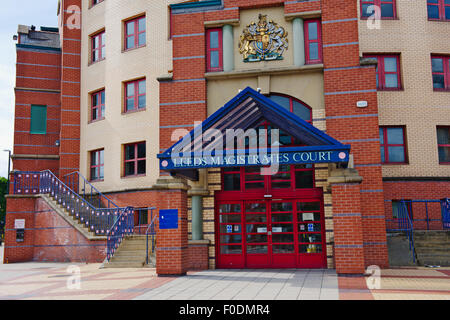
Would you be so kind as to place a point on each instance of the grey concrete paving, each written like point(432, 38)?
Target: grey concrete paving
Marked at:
point(250, 285)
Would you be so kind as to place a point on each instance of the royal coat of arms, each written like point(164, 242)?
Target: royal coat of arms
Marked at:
point(263, 41)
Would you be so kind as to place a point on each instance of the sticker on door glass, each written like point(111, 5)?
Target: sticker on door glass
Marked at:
point(310, 227)
point(261, 230)
point(308, 216)
point(276, 230)
point(229, 229)
point(237, 228)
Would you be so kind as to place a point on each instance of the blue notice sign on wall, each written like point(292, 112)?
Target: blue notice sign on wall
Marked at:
point(168, 219)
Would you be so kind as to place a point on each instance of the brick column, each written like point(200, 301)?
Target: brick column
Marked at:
point(172, 244)
point(348, 230)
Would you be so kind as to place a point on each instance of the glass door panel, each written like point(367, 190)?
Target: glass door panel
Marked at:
point(231, 235)
point(256, 234)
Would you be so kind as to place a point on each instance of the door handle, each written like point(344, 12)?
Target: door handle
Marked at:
point(269, 233)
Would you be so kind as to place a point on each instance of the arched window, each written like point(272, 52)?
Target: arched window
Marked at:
point(294, 105)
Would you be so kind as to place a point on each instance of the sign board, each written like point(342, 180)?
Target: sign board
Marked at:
point(308, 216)
point(229, 229)
point(168, 219)
point(261, 230)
point(277, 230)
point(233, 160)
point(310, 227)
point(19, 224)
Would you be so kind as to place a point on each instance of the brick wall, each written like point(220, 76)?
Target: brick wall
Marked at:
point(48, 237)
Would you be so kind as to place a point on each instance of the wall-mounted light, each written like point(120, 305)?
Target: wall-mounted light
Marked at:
point(15, 37)
point(57, 143)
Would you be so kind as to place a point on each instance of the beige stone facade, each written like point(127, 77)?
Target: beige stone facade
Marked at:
point(416, 106)
point(119, 66)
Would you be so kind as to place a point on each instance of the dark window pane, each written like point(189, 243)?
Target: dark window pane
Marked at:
point(281, 184)
point(214, 63)
point(395, 135)
point(256, 238)
point(302, 111)
point(310, 248)
point(443, 135)
point(390, 64)
point(130, 104)
point(282, 217)
point(381, 136)
point(309, 238)
point(228, 239)
point(281, 206)
point(365, 9)
point(230, 218)
point(141, 25)
point(129, 168)
point(314, 51)
point(232, 182)
point(130, 28)
point(283, 248)
point(438, 81)
point(141, 167)
point(255, 207)
point(433, 12)
point(141, 150)
point(130, 42)
point(391, 81)
point(282, 101)
point(214, 40)
point(308, 206)
point(142, 101)
point(387, 10)
point(280, 238)
point(383, 155)
point(304, 179)
point(312, 31)
point(141, 39)
point(257, 249)
point(129, 152)
point(256, 218)
point(447, 12)
point(437, 65)
point(229, 208)
point(94, 159)
point(444, 154)
point(396, 154)
point(231, 249)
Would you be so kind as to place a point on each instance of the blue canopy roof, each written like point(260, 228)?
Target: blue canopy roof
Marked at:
point(245, 111)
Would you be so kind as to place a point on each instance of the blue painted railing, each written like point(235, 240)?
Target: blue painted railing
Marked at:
point(404, 224)
point(97, 220)
point(445, 206)
point(78, 183)
point(151, 235)
point(122, 227)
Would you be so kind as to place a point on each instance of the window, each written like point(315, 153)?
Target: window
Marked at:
point(94, 2)
point(141, 216)
point(97, 165)
point(399, 207)
point(388, 72)
point(135, 159)
point(98, 46)
point(441, 72)
point(393, 145)
point(438, 9)
point(214, 50)
point(135, 33)
point(135, 95)
point(38, 124)
point(98, 105)
point(313, 41)
point(387, 8)
point(293, 105)
point(443, 136)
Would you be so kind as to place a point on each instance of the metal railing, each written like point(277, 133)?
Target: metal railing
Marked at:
point(122, 227)
point(403, 223)
point(97, 220)
point(78, 183)
point(445, 209)
point(151, 233)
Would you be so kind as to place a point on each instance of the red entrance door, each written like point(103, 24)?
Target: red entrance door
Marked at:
point(275, 233)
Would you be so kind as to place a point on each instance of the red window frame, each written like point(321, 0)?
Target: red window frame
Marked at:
point(441, 7)
point(99, 108)
point(444, 145)
point(136, 159)
point(209, 50)
point(381, 85)
point(445, 73)
point(385, 144)
point(309, 41)
point(135, 95)
point(97, 166)
point(100, 49)
point(135, 34)
point(379, 3)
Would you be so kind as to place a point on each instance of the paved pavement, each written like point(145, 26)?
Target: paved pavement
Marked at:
point(59, 281)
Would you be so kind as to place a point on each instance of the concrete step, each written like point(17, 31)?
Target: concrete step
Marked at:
point(432, 244)
point(127, 259)
point(122, 253)
point(124, 265)
point(438, 251)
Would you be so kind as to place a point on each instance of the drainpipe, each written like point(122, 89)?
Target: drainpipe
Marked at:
point(228, 48)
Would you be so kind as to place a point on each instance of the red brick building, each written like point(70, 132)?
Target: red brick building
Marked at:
point(297, 66)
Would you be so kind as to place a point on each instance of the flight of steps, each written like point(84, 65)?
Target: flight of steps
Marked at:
point(131, 253)
point(432, 247)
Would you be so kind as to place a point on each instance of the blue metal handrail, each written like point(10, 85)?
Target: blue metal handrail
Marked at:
point(151, 231)
point(122, 227)
point(445, 209)
point(97, 220)
point(73, 180)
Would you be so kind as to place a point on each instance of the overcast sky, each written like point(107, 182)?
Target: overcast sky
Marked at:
point(13, 13)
